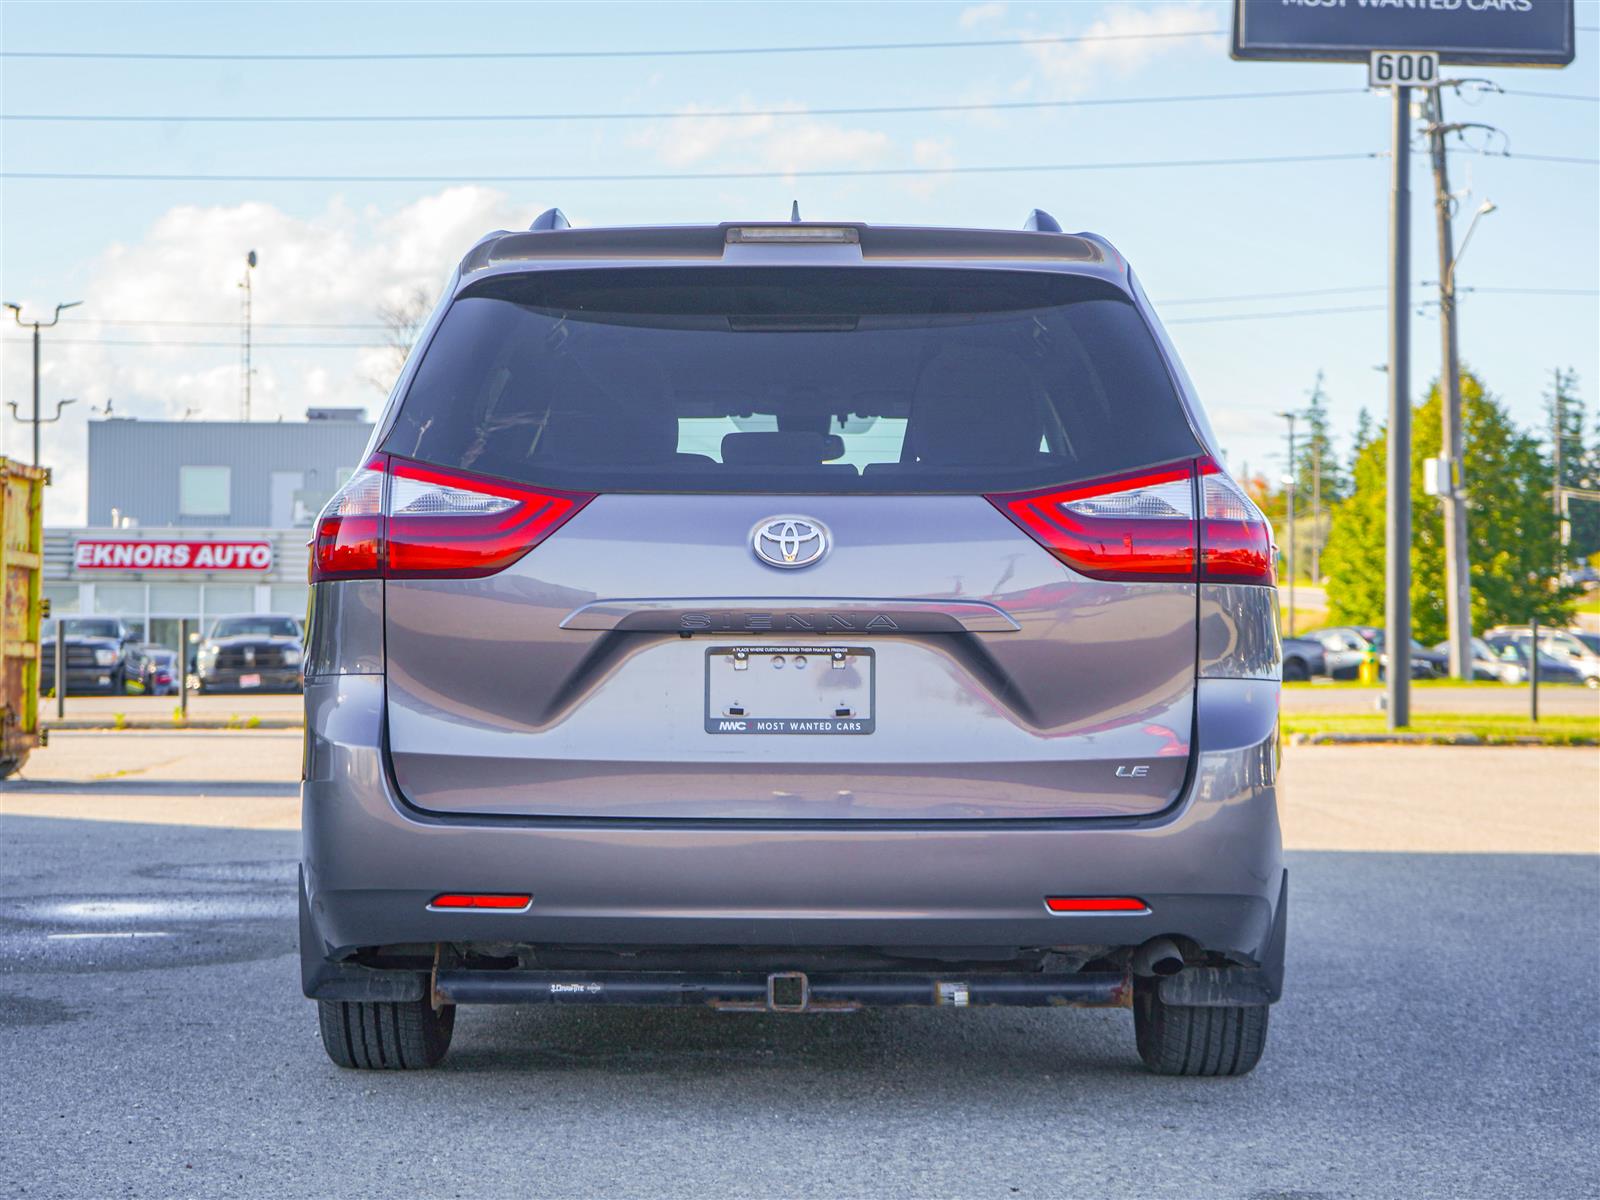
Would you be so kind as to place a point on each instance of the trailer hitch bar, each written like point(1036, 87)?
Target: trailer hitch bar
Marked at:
point(783, 991)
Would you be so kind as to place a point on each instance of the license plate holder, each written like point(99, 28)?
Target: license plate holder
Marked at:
point(249, 681)
point(791, 689)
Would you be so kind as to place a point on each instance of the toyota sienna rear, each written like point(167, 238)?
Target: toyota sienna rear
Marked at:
point(792, 618)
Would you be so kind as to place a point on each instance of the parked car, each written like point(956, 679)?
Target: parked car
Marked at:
point(1303, 657)
point(789, 617)
point(1591, 640)
point(100, 654)
point(1487, 664)
point(1347, 646)
point(251, 652)
point(156, 669)
point(1565, 646)
point(1517, 652)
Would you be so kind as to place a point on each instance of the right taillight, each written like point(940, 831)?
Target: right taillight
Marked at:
point(1235, 539)
point(398, 519)
point(1179, 523)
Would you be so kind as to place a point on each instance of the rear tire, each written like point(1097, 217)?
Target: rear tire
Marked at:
point(1181, 1039)
point(385, 1035)
point(1295, 671)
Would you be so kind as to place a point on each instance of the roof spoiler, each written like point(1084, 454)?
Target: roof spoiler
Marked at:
point(554, 218)
point(1040, 221)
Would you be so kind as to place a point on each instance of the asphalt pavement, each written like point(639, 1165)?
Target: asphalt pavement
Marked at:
point(1440, 1036)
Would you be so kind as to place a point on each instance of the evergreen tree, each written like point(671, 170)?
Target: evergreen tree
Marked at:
point(1316, 453)
point(1512, 537)
point(1565, 420)
point(1362, 439)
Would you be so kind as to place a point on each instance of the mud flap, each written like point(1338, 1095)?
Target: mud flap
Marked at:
point(1236, 987)
point(324, 979)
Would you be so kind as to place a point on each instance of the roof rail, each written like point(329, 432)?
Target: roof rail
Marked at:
point(1040, 221)
point(554, 218)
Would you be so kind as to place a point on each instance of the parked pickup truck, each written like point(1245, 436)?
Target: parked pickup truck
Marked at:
point(99, 654)
point(251, 652)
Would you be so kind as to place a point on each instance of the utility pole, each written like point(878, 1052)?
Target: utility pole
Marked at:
point(1397, 501)
point(1558, 437)
point(36, 420)
point(1291, 479)
point(1316, 509)
point(1452, 476)
point(249, 266)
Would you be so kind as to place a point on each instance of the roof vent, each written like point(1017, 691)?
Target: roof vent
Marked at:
point(794, 213)
point(1040, 221)
point(554, 218)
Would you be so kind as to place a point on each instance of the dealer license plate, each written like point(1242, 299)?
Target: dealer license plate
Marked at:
point(790, 689)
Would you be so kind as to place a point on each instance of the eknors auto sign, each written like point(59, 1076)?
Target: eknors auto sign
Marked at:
point(1506, 32)
point(96, 554)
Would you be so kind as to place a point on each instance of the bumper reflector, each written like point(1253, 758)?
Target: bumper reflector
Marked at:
point(1095, 904)
point(464, 900)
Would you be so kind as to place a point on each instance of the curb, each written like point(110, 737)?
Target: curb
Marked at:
point(102, 725)
point(1432, 739)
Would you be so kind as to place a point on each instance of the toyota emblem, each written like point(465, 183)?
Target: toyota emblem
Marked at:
point(790, 541)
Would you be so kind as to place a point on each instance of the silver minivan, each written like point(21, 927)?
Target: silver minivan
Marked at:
point(787, 617)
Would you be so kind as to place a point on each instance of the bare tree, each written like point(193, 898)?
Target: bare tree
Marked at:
point(402, 323)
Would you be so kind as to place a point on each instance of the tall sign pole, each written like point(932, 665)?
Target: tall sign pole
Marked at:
point(1397, 512)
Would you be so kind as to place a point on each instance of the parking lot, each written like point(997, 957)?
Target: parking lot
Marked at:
point(1438, 1036)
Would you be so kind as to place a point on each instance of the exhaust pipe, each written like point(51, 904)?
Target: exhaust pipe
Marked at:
point(1158, 957)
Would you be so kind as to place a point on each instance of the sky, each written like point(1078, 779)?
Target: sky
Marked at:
point(1265, 274)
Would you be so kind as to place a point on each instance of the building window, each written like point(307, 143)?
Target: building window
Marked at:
point(63, 598)
point(203, 491)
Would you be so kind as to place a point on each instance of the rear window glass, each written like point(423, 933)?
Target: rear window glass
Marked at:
point(792, 380)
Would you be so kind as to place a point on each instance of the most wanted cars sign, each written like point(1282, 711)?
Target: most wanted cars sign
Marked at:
point(1530, 33)
point(148, 554)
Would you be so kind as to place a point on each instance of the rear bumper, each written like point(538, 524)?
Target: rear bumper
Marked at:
point(1209, 870)
point(285, 679)
point(82, 681)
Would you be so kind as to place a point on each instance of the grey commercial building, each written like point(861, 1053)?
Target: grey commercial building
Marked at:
point(198, 519)
point(220, 474)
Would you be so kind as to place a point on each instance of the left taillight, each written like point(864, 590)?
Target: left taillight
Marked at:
point(398, 519)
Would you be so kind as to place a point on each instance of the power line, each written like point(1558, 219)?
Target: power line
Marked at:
point(675, 115)
point(1377, 287)
point(659, 176)
point(162, 344)
point(1287, 312)
point(1336, 291)
point(1552, 95)
point(235, 324)
point(701, 51)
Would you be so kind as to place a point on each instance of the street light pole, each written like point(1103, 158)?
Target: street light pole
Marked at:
point(16, 311)
point(1291, 478)
point(249, 266)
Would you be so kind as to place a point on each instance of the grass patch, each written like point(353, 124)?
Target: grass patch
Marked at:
point(1589, 604)
point(1558, 729)
point(1323, 685)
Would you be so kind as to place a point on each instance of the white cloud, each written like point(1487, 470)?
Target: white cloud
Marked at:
point(333, 267)
point(761, 141)
point(1134, 38)
point(980, 14)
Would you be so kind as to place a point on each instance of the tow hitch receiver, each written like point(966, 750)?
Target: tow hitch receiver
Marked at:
point(788, 991)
